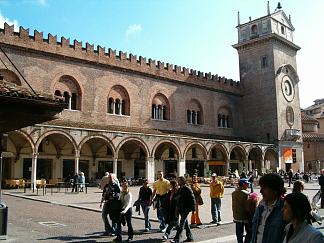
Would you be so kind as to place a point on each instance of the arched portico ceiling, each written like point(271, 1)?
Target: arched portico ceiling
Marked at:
point(255, 153)
point(161, 146)
point(220, 147)
point(197, 145)
point(21, 140)
point(97, 144)
point(130, 145)
point(59, 139)
point(270, 153)
point(237, 152)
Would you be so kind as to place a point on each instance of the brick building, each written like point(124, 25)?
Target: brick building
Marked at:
point(134, 116)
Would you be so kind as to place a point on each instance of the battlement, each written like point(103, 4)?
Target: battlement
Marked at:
point(121, 60)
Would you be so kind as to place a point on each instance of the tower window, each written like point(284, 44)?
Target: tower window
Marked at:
point(294, 157)
point(264, 62)
point(282, 30)
point(254, 30)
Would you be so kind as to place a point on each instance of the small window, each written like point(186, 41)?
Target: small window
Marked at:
point(294, 156)
point(1, 77)
point(308, 145)
point(264, 62)
point(282, 30)
point(188, 116)
point(254, 30)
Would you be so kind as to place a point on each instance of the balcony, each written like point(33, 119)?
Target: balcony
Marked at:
point(292, 134)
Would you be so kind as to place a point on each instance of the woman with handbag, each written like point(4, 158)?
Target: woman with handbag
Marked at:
point(195, 187)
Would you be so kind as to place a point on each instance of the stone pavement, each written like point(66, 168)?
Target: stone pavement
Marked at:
point(91, 200)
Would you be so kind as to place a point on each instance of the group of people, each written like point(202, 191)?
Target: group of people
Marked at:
point(277, 217)
point(77, 181)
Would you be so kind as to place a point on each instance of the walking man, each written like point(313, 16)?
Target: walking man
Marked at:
point(321, 183)
point(160, 189)
point(239, 208)
point(111, 192)
point(290, 176)
point(216, 193)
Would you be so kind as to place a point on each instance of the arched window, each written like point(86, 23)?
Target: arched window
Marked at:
point(282, 30)
point(160, 107)
point(224, 118)
point(111, 105)
point(118, 101)
point(194, 113)
point(71, 91)
point(254, 30)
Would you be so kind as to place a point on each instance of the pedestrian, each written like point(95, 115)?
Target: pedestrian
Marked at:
point(75, 183)
point(126, 212)
point(172, 214)
point(82, 181)
point(268, 224)
point(251, 180)
point(195, 187)
point(252, 204)
point(290, 176)
point(321, 183)
point(297, 211)
point(110, 195)
point(240, 213)
point(145, 198)
point(104, 181)
point(216, 194)
point(160, 189)
point(186, 204)
point(298, 186)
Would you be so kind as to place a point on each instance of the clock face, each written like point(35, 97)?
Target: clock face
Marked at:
point(287, 89)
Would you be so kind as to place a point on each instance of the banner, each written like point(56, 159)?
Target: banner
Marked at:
point(287, 154)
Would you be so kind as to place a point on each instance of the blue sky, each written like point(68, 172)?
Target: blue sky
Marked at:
point(196, 34)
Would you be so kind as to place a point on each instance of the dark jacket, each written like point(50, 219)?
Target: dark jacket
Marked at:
point(171, 208)
point(274, 226)
point(321, 182)
point(186, 200)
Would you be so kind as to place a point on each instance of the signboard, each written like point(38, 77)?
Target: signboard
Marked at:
point(287, 154)
point(216, 163)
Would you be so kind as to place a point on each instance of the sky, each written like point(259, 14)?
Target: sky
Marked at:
point(196, 34)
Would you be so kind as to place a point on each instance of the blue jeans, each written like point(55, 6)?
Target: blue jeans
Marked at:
point(161, 216)
point(183, 224)
point(240, 231)
point(104, 215)
point(216, 204)
point(146, 209)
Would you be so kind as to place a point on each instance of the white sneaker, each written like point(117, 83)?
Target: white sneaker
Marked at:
point(165, 237)
point(163, 230)
point(147, 230)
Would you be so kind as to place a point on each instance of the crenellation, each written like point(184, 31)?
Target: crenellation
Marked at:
point(77, 45)
point(8, 29)
point(99, 55)
point(133, 58)
point(52, 40)
point(23, 33)
point(38, 36)
point(142, 61)
point(89, 48)
point(65, 43)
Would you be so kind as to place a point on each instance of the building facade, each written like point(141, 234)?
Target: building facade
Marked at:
point(134, 116)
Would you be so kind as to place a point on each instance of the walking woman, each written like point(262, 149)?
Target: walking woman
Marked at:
point(126, 213)
point(195, 187)
point(297, 211)
point(171, 209)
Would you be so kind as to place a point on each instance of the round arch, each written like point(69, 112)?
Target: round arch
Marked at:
point(237, 158)
point(130, 139)
point(271, 158)
point(193, 144)
point(255, 157)
point(87, 138)
point(10, 76)
point(166, 141)
point(48, 133)
point(221, 147)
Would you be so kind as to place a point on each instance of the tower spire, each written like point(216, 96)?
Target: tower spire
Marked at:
point(268, 8)
point(238, 18)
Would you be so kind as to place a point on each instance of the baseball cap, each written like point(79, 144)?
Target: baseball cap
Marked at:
point(214, 175)
point(243, 181)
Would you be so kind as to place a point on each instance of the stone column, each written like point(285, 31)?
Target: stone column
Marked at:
point(115, 166)
point(70, 102)
point(150, 169)
point(227, 166)
point(250, 165)
point(120, 107)
point(181, 166)
point(113, 106)
point(34, 171)
point(76, 164)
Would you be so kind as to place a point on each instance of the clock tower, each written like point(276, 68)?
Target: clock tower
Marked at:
point(268, 74)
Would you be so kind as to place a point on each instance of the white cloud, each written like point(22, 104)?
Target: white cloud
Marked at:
point(42, 2)
point(133, 30)
point(4, 19)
